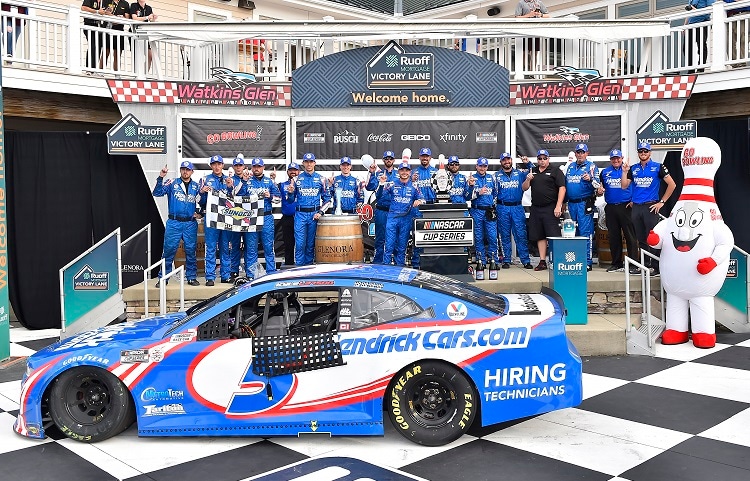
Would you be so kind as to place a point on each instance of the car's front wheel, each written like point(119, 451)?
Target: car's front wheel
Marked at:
point(89, 404)
point(431, 403)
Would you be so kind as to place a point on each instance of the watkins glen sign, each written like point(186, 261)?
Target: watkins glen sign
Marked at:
point(587, 85)
point(229, 88)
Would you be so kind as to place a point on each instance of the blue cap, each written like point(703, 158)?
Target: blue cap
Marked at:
point(404, 165)
point(186, 164)
point(425, 151)
point(644, 145)
point(238, 161)
point(346, 160)
point(216, 158)
point(505, 155)
point(542, 152)
point(257, 161)
point(615, 153)
point(453, 159)
point(483, 161)
point(293, 165)
point(389, 153)
point(309, 156)
point(583, 147)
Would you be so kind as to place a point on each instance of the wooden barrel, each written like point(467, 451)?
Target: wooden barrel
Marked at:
point(339, 239)
point(179, 257)
point(601, 238)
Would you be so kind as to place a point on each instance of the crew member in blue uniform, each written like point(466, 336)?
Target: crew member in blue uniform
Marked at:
point(422, 179)
point(646, 201)
point(617, 213)
point(383, 205)
point(288, 209)
point(459, 192)
point(239, 177)
point(581, 184)
point(351, 192)
point(403, 196)
point(511, 215)
point(182, 199)
point(484, 192)
point(262, 186)
point(313, 199)
point(216, 238)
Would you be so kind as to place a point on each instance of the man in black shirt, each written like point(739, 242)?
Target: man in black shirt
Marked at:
point(140, 12)
point(547, 193)
point(93, 38)
point(115, 42)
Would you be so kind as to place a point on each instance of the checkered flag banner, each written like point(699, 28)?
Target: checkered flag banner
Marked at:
point(236, 214)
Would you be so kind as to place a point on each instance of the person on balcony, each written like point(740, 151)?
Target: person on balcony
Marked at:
point(531, 9)
point(738, 36)
point(115, 42)
point(697, 36)
point(12, 33)
point(140, 12)
point(93, 37)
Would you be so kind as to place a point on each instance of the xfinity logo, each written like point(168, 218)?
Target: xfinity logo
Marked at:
point(346, 137)
point(446, 137)
point(415, 137)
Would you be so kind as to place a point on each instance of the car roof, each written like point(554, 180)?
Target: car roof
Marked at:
point(382, 273)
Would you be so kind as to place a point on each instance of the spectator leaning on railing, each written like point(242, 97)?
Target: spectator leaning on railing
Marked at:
point(11, 33)
point(140, 12)
point(699, 35)
point(93, 37)
point(115, 42)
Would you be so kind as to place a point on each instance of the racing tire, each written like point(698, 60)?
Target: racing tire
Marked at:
point(89, 404)
point(431, 403)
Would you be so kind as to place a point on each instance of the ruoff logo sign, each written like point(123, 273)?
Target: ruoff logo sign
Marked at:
point(393, 68)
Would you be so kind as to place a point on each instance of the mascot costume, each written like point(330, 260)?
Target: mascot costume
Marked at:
point(695, 246)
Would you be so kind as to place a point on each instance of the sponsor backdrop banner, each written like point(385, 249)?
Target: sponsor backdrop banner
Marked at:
point(202, 138)
point(466, 138)
point(91, 280)
point(134, 259)
point(560, 135)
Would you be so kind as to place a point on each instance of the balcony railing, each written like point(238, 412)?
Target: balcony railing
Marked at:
point(54, 38)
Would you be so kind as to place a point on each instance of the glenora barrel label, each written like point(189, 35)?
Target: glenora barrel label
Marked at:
point(335, 249)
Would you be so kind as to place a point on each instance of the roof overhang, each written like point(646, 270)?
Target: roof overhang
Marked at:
point(597, 31)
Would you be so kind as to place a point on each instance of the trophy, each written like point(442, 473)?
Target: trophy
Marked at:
point(442, 182)
point(337, 192)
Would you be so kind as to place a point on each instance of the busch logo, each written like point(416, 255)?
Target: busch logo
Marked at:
point(386, 137)
point(346, 137)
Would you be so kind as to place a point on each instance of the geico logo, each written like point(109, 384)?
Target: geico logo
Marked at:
point(414, 137)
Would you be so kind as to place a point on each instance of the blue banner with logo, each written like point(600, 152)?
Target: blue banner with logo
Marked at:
point(90, 280)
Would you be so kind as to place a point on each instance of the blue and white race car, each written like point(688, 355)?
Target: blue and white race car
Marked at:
point(319, 349)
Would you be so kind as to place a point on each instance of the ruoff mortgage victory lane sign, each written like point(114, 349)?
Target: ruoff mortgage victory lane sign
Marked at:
point(665, 135)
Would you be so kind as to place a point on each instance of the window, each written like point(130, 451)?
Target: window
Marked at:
point(633, 9)
point(600, 14)
point(204, 14)
point(376, 307)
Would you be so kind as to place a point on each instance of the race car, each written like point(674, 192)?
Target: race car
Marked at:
point(317, 349)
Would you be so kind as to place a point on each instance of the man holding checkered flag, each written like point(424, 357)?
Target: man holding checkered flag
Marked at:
point(218, 182)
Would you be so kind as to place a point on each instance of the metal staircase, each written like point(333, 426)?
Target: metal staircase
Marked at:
point(641, 340)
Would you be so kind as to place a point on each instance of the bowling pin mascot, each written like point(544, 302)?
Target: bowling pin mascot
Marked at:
point(695, 246)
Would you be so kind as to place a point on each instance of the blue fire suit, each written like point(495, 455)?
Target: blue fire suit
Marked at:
point(460, 192)
point(311, 196)
point(351, 194)
point(216, 237)
point(511, 214)
point(424, 184)
point(180, 223)
point(235, 237)
point(401, 197)
point(484, 227)
point(381, 213)
point(580, 196)
point(259, 187)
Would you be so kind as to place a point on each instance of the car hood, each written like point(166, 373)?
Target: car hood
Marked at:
point(131, 334)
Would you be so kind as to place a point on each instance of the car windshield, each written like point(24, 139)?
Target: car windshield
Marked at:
point(461, 290)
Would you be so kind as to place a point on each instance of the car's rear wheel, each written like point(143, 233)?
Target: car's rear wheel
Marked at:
point(89, 404)
point(431, 403)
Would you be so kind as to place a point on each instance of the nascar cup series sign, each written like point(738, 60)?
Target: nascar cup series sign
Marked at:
point(444, 232)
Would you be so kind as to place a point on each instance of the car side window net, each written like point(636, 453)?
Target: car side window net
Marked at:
point(371, 307)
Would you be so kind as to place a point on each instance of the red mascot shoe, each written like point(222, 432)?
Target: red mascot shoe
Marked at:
point(671, 336)
point(703, 340)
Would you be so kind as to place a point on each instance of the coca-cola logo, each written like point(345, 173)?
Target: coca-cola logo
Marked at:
point(386, 137)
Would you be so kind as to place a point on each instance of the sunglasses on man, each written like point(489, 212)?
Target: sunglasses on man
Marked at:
point(643, 151)
point(542, 157)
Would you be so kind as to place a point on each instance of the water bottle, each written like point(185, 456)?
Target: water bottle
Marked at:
point(479, 273)
point(493, 271)
point(568, 226)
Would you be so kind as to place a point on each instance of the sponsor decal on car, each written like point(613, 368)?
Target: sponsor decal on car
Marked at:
point(165, 410)
point(151, 394)
point(94, 338)
point(183, 336)
point(524, 382)
point(457, 311)
point(368, 285)
point(85, 358)
point(134, 356)
point(304, 283)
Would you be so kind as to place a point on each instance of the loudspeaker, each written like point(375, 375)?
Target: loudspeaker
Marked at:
point(493, 11)
point(246, 4)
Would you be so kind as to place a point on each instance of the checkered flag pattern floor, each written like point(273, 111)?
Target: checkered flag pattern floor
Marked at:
point(679, 416)
point(237, 214)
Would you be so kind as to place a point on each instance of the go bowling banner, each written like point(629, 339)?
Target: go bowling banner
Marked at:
point(203, 138)
point(468, 139)
point(560, 135)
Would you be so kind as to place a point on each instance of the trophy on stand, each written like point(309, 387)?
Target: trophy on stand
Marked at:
point(442, 182)
point(337, 192)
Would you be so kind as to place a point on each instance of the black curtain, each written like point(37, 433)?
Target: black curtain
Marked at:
point(65, 193)
point(732, 178)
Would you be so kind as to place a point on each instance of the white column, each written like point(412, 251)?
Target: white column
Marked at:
point(718, 37)
point(74, 39)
